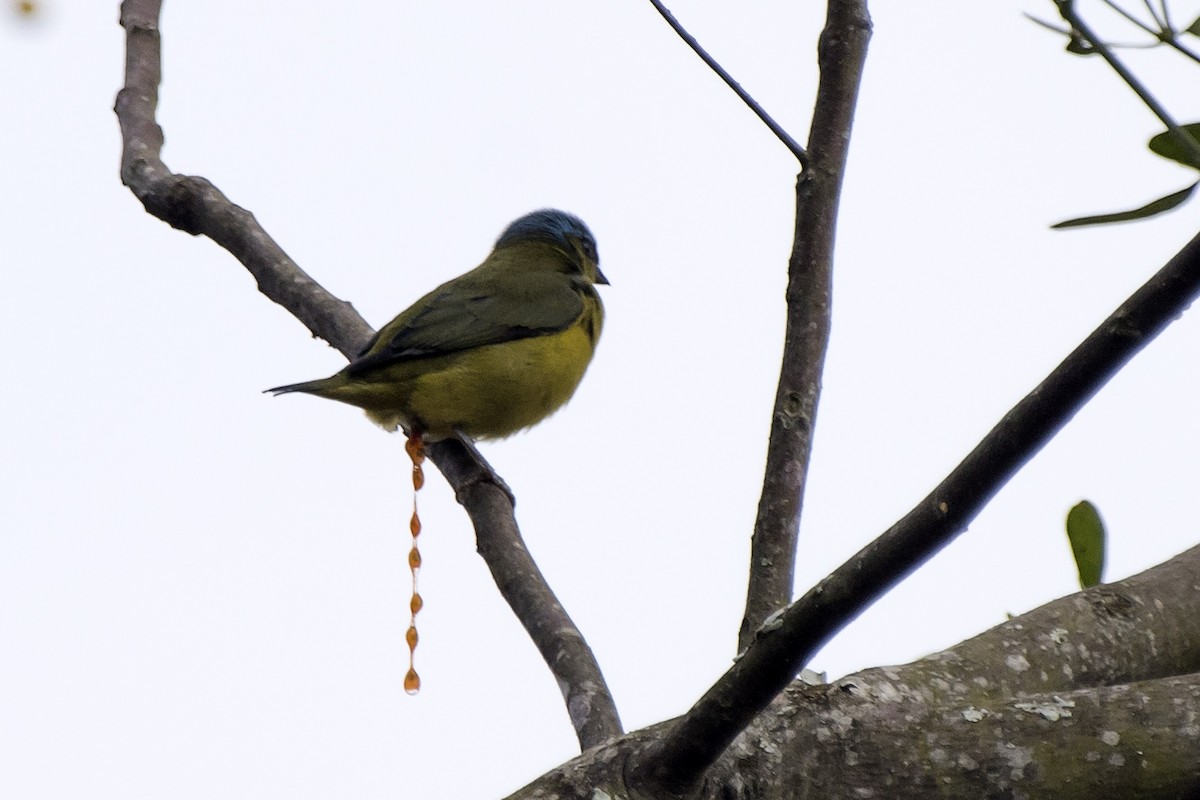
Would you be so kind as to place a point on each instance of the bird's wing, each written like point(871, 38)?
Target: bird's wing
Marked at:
point(463, 314)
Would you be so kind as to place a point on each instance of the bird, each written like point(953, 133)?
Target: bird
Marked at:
point(491, 352)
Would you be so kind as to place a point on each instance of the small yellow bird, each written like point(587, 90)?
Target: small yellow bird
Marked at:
point(491, 352)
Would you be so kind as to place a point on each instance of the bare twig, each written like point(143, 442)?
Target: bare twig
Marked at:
point(751, 103)
point(1153, 14)
point(1129, 17)
point(194, 205)
point(1166, 15)
point(1172, 40)
point(841, 54)
point(498, 540)
point(1066, 8)
point(1167, 35)
point(784, 644)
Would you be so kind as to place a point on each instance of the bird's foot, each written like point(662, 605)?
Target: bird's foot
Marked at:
point(491, 474)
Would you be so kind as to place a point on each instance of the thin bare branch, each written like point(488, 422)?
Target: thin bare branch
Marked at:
point(785, 643)
point(842, 52)
point(682, 758)
point(1067, 9)
point(1166, 15)
point(1168, 35)
point(498, 541)
point(1119, 9)
point(194, 205)
point(1181, 48)
point(1160, 22)
point(751, 103)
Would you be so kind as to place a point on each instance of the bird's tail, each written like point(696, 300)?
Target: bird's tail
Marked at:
point(320, 387)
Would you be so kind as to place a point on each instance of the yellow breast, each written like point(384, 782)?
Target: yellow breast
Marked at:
point(487, 392)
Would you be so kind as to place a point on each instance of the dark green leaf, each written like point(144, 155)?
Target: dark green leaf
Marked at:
point(1194, 28)
point(1085, 530)
point(1167, 146)
point(1149, 210)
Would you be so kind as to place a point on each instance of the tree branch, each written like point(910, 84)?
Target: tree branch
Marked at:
point(842, 51)
point(783, 645)
point(194, 205)
point(1020, 710)
point(1066, 8)
point(883, 738)
point(498, 540)
point(1146, 627)
point(751, 103)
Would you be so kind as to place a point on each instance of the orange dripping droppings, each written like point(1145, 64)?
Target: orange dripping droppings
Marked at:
point(415, 447)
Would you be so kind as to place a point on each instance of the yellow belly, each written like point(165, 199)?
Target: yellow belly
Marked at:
point(487, 393)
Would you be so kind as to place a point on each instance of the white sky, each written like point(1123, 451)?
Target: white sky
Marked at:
point(203, 589)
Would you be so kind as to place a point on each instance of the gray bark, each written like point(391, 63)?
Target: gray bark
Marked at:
point(1098, 692)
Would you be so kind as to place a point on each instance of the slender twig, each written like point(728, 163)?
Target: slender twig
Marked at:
point(788, 640)
point(194, 205)
point(1067, 9)
point(1070, 36)
point(1161, 23)
point(1166, 17)
point(1166, 36)
point(1132, 19)
point(842, 51)
point(751, 103)
point(1181, 48)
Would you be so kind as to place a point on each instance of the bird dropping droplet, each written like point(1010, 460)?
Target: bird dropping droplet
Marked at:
point(415, 447)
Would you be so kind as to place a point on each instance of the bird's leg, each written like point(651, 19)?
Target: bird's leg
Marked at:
point(491, 475)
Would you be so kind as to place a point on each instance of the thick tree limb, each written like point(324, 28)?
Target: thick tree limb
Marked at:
point(194, 205)
point(877, 740)
point(842, 52)
point(1060, 702)
point(783, 645)
point(1141, 628)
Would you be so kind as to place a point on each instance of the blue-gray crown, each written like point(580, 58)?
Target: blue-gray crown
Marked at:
point(552, 225)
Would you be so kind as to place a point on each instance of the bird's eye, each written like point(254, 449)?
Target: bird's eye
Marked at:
point(589, 249)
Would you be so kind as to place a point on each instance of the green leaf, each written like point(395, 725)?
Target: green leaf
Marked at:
point(1194, 28)
point(1167, 146)
point(1085, 530)
point(1149, 210)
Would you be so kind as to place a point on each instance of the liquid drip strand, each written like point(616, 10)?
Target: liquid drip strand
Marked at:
point(415, 447)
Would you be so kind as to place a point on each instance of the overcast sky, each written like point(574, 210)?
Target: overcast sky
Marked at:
point(203, 589)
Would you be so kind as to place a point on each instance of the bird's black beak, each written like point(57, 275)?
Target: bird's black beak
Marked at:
point(600, 277)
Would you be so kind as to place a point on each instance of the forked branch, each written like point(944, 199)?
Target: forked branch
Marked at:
point(787, 641)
